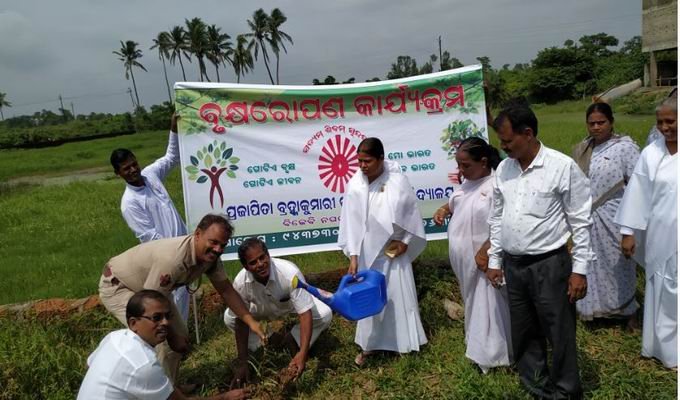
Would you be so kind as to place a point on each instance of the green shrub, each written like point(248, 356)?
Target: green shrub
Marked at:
point(39, 130)
point(640, 103)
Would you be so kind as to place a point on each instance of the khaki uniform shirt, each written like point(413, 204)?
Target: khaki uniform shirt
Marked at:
point(163, 265)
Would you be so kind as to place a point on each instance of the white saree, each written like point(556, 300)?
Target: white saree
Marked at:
point(487, 315)
point(649, 206)
point(372, 216)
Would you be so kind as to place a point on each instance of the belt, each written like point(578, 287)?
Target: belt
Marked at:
point(527, 259)
point(107, 273)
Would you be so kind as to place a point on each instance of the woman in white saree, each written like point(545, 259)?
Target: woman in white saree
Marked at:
point(382, 229)
point(487, 316)
point(649, 226)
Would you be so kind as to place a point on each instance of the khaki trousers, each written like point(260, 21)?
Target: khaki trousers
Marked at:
point(115, 296)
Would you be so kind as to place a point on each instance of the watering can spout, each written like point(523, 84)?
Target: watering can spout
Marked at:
point(320, 294)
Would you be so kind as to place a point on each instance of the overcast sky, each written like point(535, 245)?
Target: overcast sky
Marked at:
point(48, 48)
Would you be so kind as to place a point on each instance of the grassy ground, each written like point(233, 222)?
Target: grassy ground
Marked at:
point(55, 239)
point(77, 156)
point(45, 359)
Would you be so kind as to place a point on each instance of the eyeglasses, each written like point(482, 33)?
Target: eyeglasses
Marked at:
point(157, 318)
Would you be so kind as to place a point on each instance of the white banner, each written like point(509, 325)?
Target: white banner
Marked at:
point(276, 159)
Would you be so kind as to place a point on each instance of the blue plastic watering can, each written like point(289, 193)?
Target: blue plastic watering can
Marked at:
point(356, 298)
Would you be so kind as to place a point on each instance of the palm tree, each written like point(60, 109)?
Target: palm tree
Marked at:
point(3, 103)
point(259, 33)
point(177, 45)
point(129, 54)
point(197, 41)
point(219, 48)
point(277, 37)
point(242, 57)
point(161, 42)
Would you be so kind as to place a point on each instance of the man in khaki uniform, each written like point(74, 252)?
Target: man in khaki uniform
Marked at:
point(165, 265)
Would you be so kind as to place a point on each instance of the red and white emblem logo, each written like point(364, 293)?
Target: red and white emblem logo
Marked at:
point(337, 163)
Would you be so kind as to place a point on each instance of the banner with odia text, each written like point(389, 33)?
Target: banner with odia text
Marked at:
point(277, 159)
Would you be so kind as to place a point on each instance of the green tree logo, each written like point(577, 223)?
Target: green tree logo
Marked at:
point(456, 132)
point(216, 160)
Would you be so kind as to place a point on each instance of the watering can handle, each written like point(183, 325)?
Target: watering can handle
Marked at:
point(344, 281)
point(347, 279)
point(361, 275)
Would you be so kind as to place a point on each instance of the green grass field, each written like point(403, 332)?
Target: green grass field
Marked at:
point(45, 359)
point(54, 240)
point(78, 156)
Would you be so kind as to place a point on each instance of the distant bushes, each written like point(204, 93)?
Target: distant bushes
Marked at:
point(47, 134)
point(47, 128)
point(642, 102)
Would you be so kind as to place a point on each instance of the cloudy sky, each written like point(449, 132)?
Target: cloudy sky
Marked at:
point(52, 48)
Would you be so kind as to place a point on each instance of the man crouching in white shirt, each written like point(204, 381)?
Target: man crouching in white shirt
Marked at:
point(124, 366)
point(265, 285)
point(540, 199)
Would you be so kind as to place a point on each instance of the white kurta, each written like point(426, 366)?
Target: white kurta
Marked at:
point(650, 205)
point(611, 277)
point(487, 316)
point(372, 216)
point(150, 212)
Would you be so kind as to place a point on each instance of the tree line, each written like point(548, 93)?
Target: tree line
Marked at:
point(198, 41)
point(577, 69)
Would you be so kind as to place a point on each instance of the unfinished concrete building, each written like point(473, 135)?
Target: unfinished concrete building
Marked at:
point(660, 42)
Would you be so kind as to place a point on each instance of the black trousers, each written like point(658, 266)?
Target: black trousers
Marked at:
point(540, 313)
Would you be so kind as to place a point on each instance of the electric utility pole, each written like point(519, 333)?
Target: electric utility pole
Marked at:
point(63, 112)
point(440, 52)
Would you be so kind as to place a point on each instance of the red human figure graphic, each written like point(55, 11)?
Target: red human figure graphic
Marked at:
point(217, 160)
point(214, 175)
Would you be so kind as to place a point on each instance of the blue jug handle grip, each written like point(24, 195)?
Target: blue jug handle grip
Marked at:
point(344, 281)
point(362, 274)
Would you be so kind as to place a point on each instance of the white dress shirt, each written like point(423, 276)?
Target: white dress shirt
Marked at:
point(278, 297)
point(148, 210)
point(124, 367)
point(538, 209)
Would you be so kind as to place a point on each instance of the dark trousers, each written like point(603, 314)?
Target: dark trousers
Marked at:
point(540, 313)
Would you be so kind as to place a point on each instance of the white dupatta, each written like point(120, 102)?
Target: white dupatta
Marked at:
point(402, 212)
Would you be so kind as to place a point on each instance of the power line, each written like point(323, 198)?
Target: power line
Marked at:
point(100, 94)
point(107, 94)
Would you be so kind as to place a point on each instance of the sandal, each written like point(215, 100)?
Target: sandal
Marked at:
point(361, 358)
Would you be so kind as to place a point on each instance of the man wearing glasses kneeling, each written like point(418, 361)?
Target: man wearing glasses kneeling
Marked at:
point(125, 365)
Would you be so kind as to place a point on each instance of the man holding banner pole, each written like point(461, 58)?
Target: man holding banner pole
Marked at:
point(146, 205)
